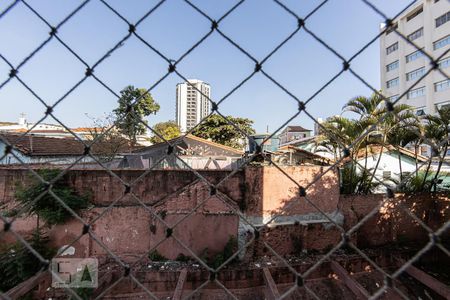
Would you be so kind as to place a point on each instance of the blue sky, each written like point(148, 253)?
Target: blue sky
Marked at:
point(302, 65)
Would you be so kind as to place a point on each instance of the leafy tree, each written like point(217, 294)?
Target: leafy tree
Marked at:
point(216, 128)
point(168, 130)
point(130, 115)
point(48, 207)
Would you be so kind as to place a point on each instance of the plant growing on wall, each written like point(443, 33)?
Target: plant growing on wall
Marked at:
point(228, 251)
point(47, 206)
point(17, 263)
point(156, 256)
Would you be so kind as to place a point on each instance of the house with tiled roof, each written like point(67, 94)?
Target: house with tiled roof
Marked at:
point(36, 149)
point(188, 151)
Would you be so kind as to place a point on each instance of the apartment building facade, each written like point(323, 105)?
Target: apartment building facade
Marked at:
point(427, 24)
point(192, 103)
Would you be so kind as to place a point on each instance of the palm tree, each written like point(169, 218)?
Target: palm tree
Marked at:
point(370, 110)
point(339, 133)
point(437, 134)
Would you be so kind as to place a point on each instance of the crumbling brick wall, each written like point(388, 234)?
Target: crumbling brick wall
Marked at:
point(130, 229)
point(391, 222)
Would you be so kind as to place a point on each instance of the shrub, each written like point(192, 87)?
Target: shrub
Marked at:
point(17, 263)
point(228, 251)
point(48, 207)
point(183, 258)
point(156, 256)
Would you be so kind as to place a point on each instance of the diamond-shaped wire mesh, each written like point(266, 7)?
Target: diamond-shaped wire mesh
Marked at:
point(293, 274)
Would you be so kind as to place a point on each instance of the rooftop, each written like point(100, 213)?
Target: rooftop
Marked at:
point(296, 128)
point(34, 145)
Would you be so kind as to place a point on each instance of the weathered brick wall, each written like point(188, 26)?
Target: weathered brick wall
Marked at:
point(391, 222)
point(294, 240)
point(270, 191)
point(150, 188)
point(130, 229)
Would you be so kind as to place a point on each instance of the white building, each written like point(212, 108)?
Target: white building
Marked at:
point(292, 133)
point(392, 163)
point(427, 24)
point(192, 103)
point(22, 124)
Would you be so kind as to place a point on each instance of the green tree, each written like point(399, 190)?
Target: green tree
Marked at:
point(437, 132)
point(168, 130)
point(216, 128)
point(394, 129)
point(370, 110)
point(130, 115)
point(46, 206)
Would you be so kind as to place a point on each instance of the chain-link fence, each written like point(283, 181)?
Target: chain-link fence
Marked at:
point(115, 271)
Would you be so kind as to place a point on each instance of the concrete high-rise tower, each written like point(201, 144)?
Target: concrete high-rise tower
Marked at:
point(427, 24)
point(192, 103)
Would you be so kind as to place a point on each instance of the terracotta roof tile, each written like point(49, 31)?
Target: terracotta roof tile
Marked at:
point(35, 145)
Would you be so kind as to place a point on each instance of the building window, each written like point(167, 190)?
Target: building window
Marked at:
point(441, 43)
point(444, 63)
point(416, 34)
point(413, 56)
point(392, 83)
point(442, 105)
point(442, 19)
point(442, 85)
point(416, 93)
point(414, 14)
point(420, 112)
point(415, 74)
point(392, 66)
point(392, 48)
point(393, 98)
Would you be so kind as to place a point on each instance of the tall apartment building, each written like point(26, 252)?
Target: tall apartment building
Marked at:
point(192, 103)
point(427, 24)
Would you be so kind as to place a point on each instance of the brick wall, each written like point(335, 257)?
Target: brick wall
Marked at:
point(270, 191)
point(130, 230)
point(392, 223)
